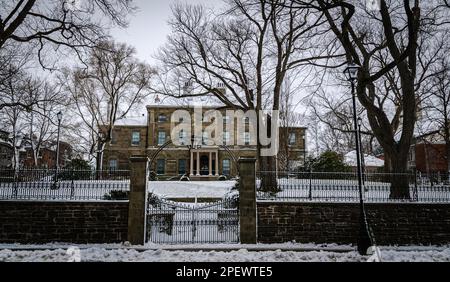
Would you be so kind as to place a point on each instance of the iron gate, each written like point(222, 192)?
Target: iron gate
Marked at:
point(172, 222)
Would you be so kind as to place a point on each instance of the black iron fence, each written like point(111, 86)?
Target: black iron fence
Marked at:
point(62, 184)
point(343, 187)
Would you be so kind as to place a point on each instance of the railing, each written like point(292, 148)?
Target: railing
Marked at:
point(38, 184)
point(343, 187)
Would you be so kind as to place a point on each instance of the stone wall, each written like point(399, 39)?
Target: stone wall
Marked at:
point(400, 224)
point(75, 222)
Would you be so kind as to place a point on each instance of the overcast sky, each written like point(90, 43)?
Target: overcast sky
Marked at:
point(148, 28)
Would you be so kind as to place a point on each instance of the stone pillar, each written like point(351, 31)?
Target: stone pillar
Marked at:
point(217, 163)
point(137, 210)
point(247, 200)
point(198, 163)
point(210, 163)
point(191, 165)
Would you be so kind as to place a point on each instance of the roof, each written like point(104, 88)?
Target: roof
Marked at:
point(132, 121)
point(369, 160)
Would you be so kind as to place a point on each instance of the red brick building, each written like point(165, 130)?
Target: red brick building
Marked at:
point(428, 157)
point(46, 156)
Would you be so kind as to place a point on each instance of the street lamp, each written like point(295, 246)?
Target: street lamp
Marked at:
point(364, 240)
point(55, 184)
point(363, 166)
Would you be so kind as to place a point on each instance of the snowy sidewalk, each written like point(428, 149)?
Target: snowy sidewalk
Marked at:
point(289, 252)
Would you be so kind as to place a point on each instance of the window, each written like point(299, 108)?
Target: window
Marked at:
point(182, 166)
point(226, 167)
point(161, 137)
point(160, 166)
point(113, 164)
point(226, 137)
point(135, 138)
point(247, 138)
point(205, 138)
point(246, 120)
point(226, 119)
point(182, 137)
point(292, 140)
point(162, 118)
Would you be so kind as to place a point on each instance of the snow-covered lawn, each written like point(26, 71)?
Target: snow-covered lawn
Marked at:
point(190, 189)
point(261, 253)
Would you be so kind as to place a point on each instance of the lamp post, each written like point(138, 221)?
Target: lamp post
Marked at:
point(364, 241)
point(55, 185)
point(363, 165)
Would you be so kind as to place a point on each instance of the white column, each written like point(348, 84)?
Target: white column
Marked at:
point(210, 163)
point(217, 163)
point(191, 167)
point(198, 163)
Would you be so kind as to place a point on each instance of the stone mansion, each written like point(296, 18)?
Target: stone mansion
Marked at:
point(149, 135)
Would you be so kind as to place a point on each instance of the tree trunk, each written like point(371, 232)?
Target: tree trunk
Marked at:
point(268, 167)
point(399, 177)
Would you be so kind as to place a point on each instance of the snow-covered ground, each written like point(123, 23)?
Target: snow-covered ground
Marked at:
point(190, 189)
point(236, 253)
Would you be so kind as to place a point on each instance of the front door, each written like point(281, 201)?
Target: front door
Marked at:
point(204, 165)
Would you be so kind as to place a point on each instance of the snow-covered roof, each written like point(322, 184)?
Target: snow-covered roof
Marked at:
point(369, 160)
point(132, 121)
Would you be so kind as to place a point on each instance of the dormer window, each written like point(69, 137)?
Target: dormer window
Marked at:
point(162, 118)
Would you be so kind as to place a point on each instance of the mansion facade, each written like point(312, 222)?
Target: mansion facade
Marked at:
point(150, 135)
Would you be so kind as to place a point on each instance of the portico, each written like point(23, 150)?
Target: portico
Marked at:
point(204, 161)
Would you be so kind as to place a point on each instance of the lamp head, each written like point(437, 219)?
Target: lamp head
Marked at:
point(351, 71)
point(59, 115)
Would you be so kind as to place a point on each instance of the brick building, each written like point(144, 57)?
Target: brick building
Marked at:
point(428, 157)
point(6, 150)
point(47, 155)
point(147, 135)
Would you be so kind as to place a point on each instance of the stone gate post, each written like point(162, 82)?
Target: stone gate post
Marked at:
point(247, 200)
point(137, 209)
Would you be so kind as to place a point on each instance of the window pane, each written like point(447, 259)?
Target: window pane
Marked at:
point(226, 137)
point(135, 138)
point(182, 166)
point(162, 118)
point(292, 138)
point(226, 167)
point(161, 137)
point(113, 164)
point(160, 166)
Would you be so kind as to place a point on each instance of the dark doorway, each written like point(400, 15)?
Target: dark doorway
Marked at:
point(204, 165)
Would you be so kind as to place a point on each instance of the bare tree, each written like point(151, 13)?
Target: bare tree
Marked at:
point(385, 43)
point(41, 121)
point(248, 49)
point(114, 84)
point(56, 25)
point(436, 108)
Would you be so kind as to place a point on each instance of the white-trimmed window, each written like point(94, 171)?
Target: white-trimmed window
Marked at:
point(246, 138)
point(226, 167)
point(182, 136)
point(226, 137)
point(162, 118)
point(113, 164)
point(161, 137)
point(161, 166)
point(135, 138)
point(292, 138)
